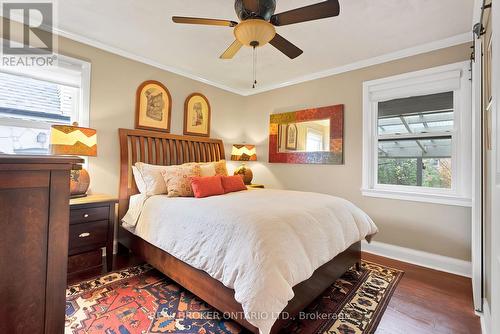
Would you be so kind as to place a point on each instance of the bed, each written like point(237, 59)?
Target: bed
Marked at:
point(188, 271)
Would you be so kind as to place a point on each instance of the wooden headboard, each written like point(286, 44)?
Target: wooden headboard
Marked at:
point(160, 148)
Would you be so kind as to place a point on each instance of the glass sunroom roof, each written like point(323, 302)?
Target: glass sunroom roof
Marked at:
point(415, 148)
point(416, 127)
point(441, 121)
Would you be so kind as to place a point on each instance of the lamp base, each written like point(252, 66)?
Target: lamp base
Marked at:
point(79, 183)
point(245, 173)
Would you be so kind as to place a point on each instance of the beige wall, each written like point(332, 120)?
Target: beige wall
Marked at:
point(113, 87)
point(439, 229)
point(433, 228)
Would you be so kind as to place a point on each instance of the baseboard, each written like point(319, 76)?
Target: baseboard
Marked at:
point(420, 258)
point(485, 318)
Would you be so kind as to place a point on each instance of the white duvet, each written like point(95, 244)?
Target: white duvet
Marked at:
point(260, 243)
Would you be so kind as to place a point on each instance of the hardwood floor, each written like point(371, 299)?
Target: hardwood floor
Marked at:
point(426, 301)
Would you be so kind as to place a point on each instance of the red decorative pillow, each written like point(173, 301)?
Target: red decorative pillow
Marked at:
point(207, 186)
point(233, 183)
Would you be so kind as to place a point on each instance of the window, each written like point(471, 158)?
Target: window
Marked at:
point(314, 141)
point(417, 136)
point(33, 99)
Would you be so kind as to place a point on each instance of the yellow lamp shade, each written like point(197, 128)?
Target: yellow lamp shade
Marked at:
point(73, 140)
point(254, 32)
point(241, 152)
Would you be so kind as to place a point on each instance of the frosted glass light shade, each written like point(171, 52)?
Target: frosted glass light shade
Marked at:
point(254, 30)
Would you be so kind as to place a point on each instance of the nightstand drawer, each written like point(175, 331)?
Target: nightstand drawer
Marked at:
point(85, 261)
point(89, 214)
point(88, 235)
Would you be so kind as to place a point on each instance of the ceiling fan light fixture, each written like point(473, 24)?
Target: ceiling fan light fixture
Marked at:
point(254, 32)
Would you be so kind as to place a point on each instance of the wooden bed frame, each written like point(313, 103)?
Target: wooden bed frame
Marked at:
point(166, 149)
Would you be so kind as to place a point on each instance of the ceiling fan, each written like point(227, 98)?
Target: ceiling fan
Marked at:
point(258, 22)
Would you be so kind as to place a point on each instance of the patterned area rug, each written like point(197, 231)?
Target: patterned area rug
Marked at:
point(141, 300)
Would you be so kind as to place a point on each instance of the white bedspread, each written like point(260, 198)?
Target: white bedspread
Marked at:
point(260, 243)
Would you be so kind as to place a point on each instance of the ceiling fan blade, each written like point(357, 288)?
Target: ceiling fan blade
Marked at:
point(285, 46)
point(318, 11)
point(232, 50)
point(199, 20)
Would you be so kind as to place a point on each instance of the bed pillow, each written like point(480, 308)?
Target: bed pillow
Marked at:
point(153, 181)
point(207, 170)
point(232, 183)
point(139, 181)
point(178, 179)
point(220, 167)
point(211, 168)
point(207, 186)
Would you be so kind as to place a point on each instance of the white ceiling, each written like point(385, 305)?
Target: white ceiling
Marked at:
point(365, 29)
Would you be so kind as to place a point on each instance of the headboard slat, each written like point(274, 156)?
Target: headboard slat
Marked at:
point(202, 152)
point(161, 149)
point(158, 150)
point(142, 150)
point(133, 145)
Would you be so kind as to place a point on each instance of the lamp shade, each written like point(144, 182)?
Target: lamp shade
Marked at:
point(73, 140)
point(243, 153)
point(254, 32)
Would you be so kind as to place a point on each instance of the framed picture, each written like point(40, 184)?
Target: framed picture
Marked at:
point(153, 107)
point(291, 137)
point(197, 115)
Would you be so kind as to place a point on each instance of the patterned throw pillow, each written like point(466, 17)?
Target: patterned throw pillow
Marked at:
point(219, 166)
point(207, 170)
point(178, 179)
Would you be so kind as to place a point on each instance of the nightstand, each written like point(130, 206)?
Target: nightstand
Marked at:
point(91, 228)
point(258, 186)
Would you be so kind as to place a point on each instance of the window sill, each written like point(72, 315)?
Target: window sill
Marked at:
point(418, 197)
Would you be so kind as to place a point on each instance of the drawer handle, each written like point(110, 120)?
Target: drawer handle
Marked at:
point(84, 235)
point(85, 215)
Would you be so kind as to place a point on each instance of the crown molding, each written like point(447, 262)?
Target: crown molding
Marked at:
point(420, 49)
point(141, 59)
point(413, 51)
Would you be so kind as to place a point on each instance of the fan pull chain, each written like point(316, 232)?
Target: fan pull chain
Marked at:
point(254, 67)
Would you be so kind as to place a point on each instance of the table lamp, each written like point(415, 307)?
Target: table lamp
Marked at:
point(244, 153)
point(74, 140)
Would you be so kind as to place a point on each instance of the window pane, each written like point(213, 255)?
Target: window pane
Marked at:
point(421, 162)
point(21, 140)
point(437, 173)
point(415, 141)
point(28, 107)
point(30, 99)
point(432, 173)
point(430, 122)
point(418, 114)
point(415, 148)
point(390, 126)
point(397, 171)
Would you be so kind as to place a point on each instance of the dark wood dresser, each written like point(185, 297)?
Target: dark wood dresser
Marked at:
point(34, 221)
point(91, 228)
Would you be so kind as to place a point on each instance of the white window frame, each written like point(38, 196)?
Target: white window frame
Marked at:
point(82, 115)
point(453, 77)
